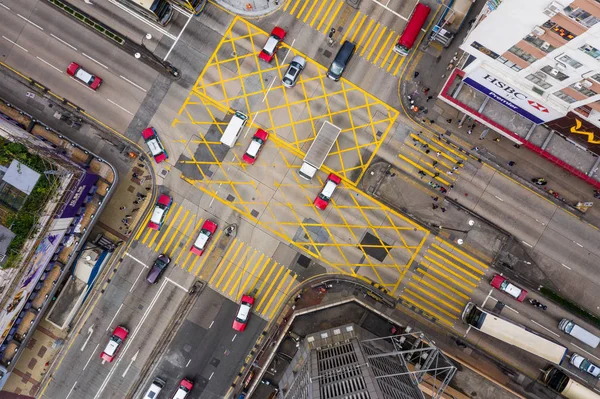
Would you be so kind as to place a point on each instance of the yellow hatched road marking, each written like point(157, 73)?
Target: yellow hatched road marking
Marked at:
point(169, 227)
point(420, 167)
point(259, 291)
point(151, 243)
point(350, 27)
point(393, 61)
point(251, 273)
point(231, 263)
point(302, 9)
point(399, 65)
point(421, 280)
point(295, 6)
point(150, 231)
point(224, 260)
point(139, 233)
point(310, 10)
point(241, 273)
point(451, 149)
point(262, 271)
point(440, 282)
point(312, 23)
point(284, 292)
point(333, 16)
point(273, 290)
point(390, 51)
point(441, 260)
point(331, 3)
point(187, 258)
point(431, 304)
point(366, 31)
point(362, 21)
point(206, 255)
point(177, 232)
point(182, 250)
point(447, 269)
point(462, 253)
point(434, 297)
point(384, 46)
point(429, 312)
point(366, 45)
point(374, 45)
point(447, 277)
point(271, 286)
point(448, 254)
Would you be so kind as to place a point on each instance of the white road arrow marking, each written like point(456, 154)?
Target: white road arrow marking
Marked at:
point(130, 363)
point(90, 332)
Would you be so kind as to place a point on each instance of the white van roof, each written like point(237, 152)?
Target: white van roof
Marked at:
point(232, 131)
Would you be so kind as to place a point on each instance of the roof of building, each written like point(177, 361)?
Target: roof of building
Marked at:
point(21, 177)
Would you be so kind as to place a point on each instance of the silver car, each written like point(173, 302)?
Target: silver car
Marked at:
point(293, 72)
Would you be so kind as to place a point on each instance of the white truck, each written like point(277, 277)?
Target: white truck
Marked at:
point(319, 149)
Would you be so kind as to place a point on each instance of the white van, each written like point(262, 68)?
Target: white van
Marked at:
point(583, 364)
point(155, 388)
point(581, 334)
point(234, 128)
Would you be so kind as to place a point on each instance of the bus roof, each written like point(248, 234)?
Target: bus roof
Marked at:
point(414, 25)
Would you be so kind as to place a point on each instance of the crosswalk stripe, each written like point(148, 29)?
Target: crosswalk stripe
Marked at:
point(312, 23)
point(440, 282)
point(434, 297)
point(269, 291)
point(310, 10)
point(399, 65)
point(350, 27)
point(251, 276)
point(143, 226)
point(440, 318)
point(182, 249)
point(431, 304)
point(331, 3)
point(262, 297)
point(224, 260)
point(207, 254)
point(390, 51)
point(262, 271)
point(365, 33)
point(362, 21)
point(392, 62)
point(282, 297)
point(449, 263)
point(177, 232)
point(337, 11)
point(385, 45)
point(366, 45)
point(466, 255)
point(433, 269)
point(302, 9)
point(231, 262)
point(169, 227)
point(242, 272)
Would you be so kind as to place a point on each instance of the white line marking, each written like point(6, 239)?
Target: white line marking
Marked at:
point(178, 285)
point(211, 324)
point(130, 363)
point(15, 44)
point(526, 243)
point(550, 331)
point(81, 83)
point(188, 363)
point(111, 101)
point(129, 81)
point(63, 42)
point(566, 266)
point(114, 317)
point(90, 332)
point(135, 259)
point(265, 97)
point(392, 11)
point(578, 244)
point(487, 297)
point(91, 355)
point(136, 280)
point(73, 387)
point(144, 20)
point(583, 350)
point(211, 375)
point(211, 201)
point(233, 339)
point(96, 61)
point(514, 310)
point(178, 36)
point(25, 19)
point(572, 373)
point(499, 198)
point(2, 5)
point(130, 340)
point(49, 64)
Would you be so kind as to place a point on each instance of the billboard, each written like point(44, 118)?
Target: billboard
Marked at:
point(72, 207)
point(511, 97)
point(579, 130)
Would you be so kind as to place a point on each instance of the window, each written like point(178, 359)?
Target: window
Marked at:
point(591, 51)
point(564, 97)
point(583, 90)
point(555, 73)
point(596, 77)
point(522, 54)
point(539, 80)
point(509, 64)
point(559, 30)
point(539, 43)
point(580, 15)
point(570, 61)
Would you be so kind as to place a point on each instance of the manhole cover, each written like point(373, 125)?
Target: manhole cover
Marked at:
point(304, 261)
point(327, 53)
point(254, 213)
point(187, 348)
point(163, 173)
point(230, 198)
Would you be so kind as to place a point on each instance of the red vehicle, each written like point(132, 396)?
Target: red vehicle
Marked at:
point(324, 196)
point(258, 141)
point(502, 283)
point(160, 211)
point(272, 44)
point(412, 29)
point(154, 144)
point(243, 314)
point(184, 388)
point(75, 70)
point(115, 342)
point(206, 232)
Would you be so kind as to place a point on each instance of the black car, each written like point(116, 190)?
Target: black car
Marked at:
point(159, 266)
point(341, 60)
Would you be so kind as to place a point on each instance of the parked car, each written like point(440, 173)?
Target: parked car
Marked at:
point(75, 70)
point(502, 283)
point(158, 268)
point(341, 60)
point(154, 144)
point(583, 364)
point(206, 232)
point(114, 344)
point(160, 212)
point(154, 389)
point(243, 313)
point(272, 44)
point(256, 144)
point(322, 200)
point(183, 390)
point(293, 72)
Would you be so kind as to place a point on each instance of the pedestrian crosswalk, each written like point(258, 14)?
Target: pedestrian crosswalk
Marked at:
point(230, 266)
point(374, 38)
point(442, 284)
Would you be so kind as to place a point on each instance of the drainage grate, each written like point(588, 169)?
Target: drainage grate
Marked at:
point(230, 198)
point(254, 213)
point(303, 261)
point(379, 133)
point(163, 173)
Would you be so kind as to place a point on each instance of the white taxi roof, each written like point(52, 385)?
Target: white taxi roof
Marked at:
point(83, 75)
point(270, 45)
point(329, 189)
point(155, 147)
point(243, 312)
point(111, 347)
point(180, 394)
point(157, 214)
point(512, 290)
point(201, 240)
point(253, 148)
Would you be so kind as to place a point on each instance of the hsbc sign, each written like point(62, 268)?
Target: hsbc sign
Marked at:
point(510, 97)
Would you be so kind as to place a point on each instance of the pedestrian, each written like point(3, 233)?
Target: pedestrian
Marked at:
point(141, 165)
point(435, 198)
point(432, 121)
point(475, 148)
point(127, 216)
point(450, 66)
point(428, 98)
point(435, 185)
point(427, 151)
point(424, 145)
point(136, 202)
point(511, 163)
point(443, 190)
point(459, 162)
point(148, 188)
point(436, 174)
point(123, 208)
point(135, 210)
point(449, 173)
point(426, 90)
point(517, 146)
point(434, 162)
point(430, 183)
point(438, 154)
point(451, 186)
point(470, 131)
point(419, 134)
point(141, 195)
point(497, 139)
point(134, 175)
point(434, 206)
point(449, 120)
point(443, 209)
point(415, 75)
point(422, 174)
point(455, 168)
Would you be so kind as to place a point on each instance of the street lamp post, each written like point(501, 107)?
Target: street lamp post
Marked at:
point(149, 54)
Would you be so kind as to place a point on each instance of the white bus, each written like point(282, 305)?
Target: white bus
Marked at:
point(570, 389)
point(513, 334)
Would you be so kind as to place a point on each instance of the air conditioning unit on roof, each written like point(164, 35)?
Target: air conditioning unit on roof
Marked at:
point(587, 84)
point(553, 9)
point(538, 31)
point(577, 86)
point(545, 46)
